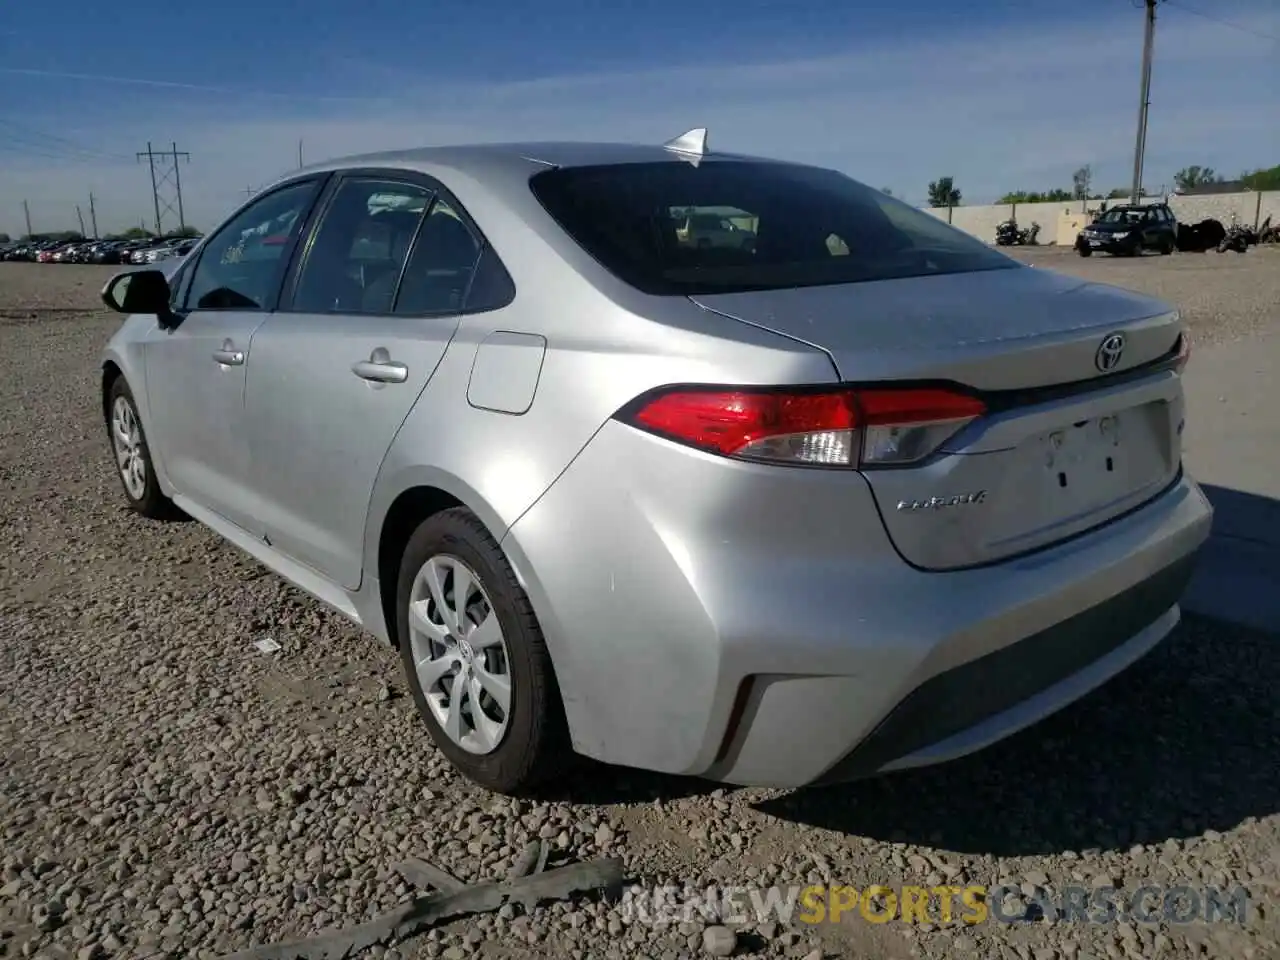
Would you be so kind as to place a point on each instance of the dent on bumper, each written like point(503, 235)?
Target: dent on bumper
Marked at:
point(679, 608)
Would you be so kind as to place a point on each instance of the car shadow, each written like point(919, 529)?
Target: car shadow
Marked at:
point(1240, 569)
point(1181, 743)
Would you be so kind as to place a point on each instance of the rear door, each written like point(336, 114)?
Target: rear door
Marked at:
point(374, 304)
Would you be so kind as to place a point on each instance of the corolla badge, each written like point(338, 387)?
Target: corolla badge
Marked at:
point(940, 503)
point(1109, 352)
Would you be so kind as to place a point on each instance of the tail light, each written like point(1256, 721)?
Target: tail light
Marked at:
point(1184, 351)
point(870, 427)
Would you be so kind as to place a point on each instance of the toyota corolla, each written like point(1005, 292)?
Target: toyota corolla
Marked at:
point(858, 495)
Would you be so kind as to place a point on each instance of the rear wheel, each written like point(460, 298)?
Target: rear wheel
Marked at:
point(475, 658)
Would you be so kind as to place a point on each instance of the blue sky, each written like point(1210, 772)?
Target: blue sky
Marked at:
point(1001, 95)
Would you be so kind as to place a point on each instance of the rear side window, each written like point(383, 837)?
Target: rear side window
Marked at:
point(670, 228)
point(360, 248)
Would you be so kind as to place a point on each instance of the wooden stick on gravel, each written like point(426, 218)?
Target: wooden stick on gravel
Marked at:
point(559, 883)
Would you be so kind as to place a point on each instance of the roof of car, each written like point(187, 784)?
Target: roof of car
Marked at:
point(509, 157)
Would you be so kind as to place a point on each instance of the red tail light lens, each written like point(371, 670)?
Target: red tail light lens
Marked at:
point(871, 427)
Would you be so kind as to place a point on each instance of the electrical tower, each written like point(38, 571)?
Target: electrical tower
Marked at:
point(170, 178)
point(1144, 103)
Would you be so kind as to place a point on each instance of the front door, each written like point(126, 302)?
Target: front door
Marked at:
point(196, 372)
point(372, 311)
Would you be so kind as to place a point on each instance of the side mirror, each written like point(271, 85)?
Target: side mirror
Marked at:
point(138, 291)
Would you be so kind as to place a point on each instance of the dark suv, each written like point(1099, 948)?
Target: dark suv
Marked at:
point(1129, 229)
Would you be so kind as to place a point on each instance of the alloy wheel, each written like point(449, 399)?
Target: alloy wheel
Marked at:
point(460, 655)
point(126, 439)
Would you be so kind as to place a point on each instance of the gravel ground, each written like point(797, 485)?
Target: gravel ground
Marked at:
point(169, 791)
point(1224, 296)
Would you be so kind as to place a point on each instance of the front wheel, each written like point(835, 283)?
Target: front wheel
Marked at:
point(475, 659)
point(1084, 251)
point(133, 456)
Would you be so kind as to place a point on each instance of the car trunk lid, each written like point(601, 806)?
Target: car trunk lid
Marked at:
point(1075, 435)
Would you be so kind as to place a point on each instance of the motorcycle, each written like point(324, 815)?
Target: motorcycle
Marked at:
point(1009, 235)
point(1237, 238)
point(1267, 233)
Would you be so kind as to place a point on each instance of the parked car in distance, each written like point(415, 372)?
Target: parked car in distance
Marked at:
point(715, 229)
point(170, 247)
point(1129, 229)
point(865, 495)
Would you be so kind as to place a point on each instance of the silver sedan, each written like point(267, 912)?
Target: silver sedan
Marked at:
point(853, 493)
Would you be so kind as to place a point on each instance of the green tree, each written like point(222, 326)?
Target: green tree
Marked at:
point(1195, 176)
point(1036, 196)
point(1268, 179)
point(944, 193)
point(886, 190)
point(136, 233)
point(187, 231)
point(4, 238)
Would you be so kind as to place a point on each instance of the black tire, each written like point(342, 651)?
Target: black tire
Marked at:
point(535, 745)
point(1166, 248)
point(152, 503)
point(1084, 251)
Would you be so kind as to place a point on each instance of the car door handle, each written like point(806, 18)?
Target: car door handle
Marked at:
point(381, 371)
point(229, 355)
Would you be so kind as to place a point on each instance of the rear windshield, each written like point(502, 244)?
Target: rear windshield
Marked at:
point(1127, 215)
point(672, 228)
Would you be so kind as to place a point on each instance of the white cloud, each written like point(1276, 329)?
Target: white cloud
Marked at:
point(1016, 108)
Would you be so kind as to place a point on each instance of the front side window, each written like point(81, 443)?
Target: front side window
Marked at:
point(241, 266)
point(360, 247)
point(670, 228)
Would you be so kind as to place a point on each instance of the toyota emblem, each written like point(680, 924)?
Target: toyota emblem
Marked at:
point(1109, 352)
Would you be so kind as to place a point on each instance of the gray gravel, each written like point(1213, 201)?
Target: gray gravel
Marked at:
point(170, 791)
point(1224, 296)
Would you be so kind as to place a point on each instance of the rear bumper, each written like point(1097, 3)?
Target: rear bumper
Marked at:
point(970, 706)
point(754, 625)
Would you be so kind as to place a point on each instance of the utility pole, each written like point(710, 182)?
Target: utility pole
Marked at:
point(80, 217)
point(1144, 104)
point(249, 192)
point(299, 154)
point(155, 193)
point(93, 215)
point(26, 212)
point(171, 163)
point(177, 182)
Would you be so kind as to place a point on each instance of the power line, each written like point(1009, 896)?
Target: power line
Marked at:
point(51, 145)
point(1220, 20)
point(194, 87)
